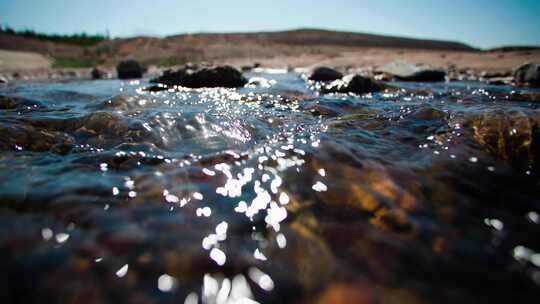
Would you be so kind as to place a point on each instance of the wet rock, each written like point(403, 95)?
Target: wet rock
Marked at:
point(428, 113)
point(260, 82)
point(408, 72)
point(353, 84)
point(342, 293)
point(486, 74)
point(98, 73)
point(3, 80)
point(307, 256)
point(18, 137)
point(525, 96)
point(325, 74)
point(528, 75)
point(221, 76)
point(170, 77)
point(156, 88)
point(129, 69)
point(392, 220)
point(513, 137)
point(9, 103)
point(118, 103)
point(500, 80)
point(104, 123)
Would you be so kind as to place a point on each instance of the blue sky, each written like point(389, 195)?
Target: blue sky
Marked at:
point(481, 23)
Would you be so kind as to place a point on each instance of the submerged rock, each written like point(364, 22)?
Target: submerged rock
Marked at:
point(7, 103)
point(528, 75)
point(409, 72)
point(325, 74)
point(513, 137)
point(129, 69)
point(221, 76)
point(10, 103)
point(353, 84)
point(26, 137)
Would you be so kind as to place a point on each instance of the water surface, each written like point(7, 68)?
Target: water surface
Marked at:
point(269, 193)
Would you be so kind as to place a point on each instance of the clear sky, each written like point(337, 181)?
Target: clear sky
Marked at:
point(481, 23)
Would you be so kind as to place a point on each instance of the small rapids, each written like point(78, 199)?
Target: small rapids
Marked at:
point(272, 193)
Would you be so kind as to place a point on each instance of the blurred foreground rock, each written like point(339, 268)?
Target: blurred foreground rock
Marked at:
point(513, 137)
point(97, 73)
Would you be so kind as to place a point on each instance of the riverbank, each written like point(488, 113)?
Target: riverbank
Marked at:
point(32, 66)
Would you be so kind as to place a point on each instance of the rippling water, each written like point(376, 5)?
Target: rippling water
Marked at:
point(269, 193)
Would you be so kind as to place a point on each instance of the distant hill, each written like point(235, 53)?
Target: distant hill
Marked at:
point(514, 48)
point(326, 37)
point(178, 49)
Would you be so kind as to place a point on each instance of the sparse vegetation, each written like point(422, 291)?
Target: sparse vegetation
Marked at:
point(81, 39)
point(76, 62)
point(171, 61)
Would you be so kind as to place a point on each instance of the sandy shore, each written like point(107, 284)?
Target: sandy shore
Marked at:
point(23, 61)
point(27, 65)
point(368, 58)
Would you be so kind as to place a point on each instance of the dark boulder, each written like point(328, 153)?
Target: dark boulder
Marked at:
point(129, 69)
point(98, 73)
point(222, 76)
point(426, 76)
point(409, 72)
point(170, 77)
point(528, 75)
point(325, 74)
point(356, 84)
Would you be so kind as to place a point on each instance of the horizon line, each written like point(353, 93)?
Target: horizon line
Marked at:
point(106, 33)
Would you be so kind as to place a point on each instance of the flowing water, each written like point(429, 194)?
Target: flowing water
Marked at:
point(268, 193)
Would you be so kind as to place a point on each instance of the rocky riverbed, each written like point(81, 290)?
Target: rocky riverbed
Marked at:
point(279, 189)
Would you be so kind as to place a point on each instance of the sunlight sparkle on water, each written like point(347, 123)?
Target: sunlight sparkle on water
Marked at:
point(46, 233)
point(319, 187)
point(218, 256)
point(122, 271)
point(166, 282)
